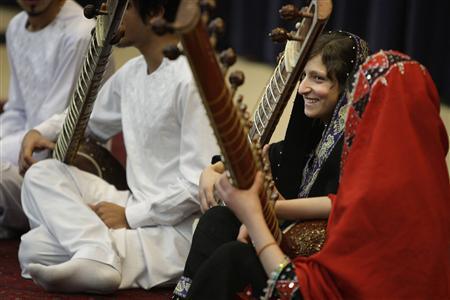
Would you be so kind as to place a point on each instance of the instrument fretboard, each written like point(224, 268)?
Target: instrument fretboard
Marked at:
point(268, 107)
point(82, 101)
point(89, 81)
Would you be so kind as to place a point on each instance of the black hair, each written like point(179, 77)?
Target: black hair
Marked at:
point(147, 8)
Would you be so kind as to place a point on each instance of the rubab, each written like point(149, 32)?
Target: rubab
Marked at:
point(230, 123)
point(71, 146)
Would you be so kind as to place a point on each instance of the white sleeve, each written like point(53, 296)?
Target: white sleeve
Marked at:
point(197, 145)
point(106, 117)
point(52, 127)
point(13, 119)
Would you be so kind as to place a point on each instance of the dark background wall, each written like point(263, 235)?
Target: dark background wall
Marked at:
point(419, 28)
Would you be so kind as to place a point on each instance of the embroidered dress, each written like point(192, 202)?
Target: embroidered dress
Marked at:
point(389, 228)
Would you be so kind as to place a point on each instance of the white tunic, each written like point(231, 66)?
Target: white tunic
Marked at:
point(44, 67)
point(168, 141)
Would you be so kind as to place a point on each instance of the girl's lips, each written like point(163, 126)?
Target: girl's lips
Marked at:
point(311, 100)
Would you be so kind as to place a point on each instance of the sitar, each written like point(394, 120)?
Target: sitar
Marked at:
point(303, 237)
point(71, 146)
point(242, 158)
point(284, 79)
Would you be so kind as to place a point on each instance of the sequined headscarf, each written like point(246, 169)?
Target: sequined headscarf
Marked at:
point(334, 130)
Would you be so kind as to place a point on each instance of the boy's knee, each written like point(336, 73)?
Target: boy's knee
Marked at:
point(39, 173)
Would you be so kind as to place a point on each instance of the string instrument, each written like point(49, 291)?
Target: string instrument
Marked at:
point(303, 237)
point(71, 146)
point(284, 80)
point(242, 159)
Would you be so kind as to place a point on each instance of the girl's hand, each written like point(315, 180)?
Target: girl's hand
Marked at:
point(244, 203)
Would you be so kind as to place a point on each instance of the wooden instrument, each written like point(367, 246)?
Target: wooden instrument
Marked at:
point(302, 238)
point(283, 82)
point(91, 156)
point(242, 159)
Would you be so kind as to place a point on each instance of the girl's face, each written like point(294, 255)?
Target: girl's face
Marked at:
point(319, 92)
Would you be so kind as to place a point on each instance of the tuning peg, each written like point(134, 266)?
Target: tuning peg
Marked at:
point(160, 26)
point(90, 11)
point(208, 5)
point(247, 117)
point(243, 108)
point(249, 123)
point(172, 52)
point(236, 79)
point(216, 26)
point(304, 13)
point(241, 105)
point(240, 100)
point(281, 35)
point(290, 12)
point(257, 145)
point(227, 58)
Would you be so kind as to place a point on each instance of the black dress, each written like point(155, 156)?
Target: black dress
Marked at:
point(221, 266)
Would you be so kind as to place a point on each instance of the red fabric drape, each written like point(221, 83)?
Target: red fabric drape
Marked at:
point(389, 228)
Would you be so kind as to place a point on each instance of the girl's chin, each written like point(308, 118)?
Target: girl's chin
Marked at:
point(311, 113)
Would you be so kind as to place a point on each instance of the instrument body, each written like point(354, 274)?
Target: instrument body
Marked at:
point(92, 157)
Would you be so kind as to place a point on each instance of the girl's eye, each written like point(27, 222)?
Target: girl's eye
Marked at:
point(319, 78)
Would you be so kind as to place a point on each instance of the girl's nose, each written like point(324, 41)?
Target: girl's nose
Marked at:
point(303, 87)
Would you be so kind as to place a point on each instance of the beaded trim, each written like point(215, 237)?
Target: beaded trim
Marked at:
point(182, 288)
point(374, 70)
point(273, 278)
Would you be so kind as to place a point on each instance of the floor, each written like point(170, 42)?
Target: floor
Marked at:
point(14, 287)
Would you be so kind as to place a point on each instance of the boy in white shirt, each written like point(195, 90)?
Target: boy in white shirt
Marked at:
point(88, 237)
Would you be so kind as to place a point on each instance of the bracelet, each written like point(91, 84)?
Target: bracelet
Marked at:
point(265, 247)
point(272, 281)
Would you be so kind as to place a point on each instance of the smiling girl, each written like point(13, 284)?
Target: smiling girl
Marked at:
point(304, 166)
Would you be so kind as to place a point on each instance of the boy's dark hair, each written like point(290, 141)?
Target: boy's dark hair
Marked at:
point(146, 8)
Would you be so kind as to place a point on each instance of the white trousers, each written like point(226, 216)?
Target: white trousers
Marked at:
point(11, 214)
point(55, 198)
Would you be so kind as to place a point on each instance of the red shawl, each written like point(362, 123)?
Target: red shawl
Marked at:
point(389, 228)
